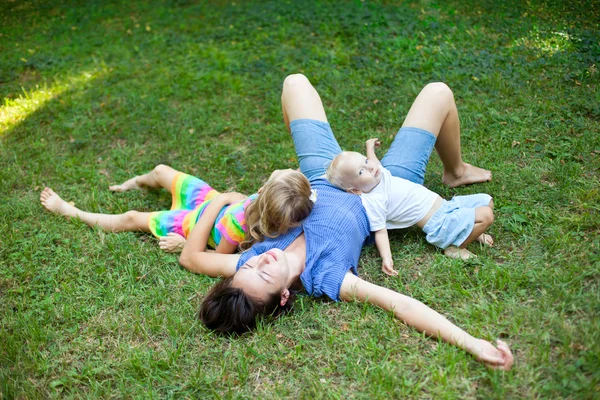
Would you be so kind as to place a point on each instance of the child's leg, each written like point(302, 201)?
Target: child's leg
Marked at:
point(485, 238)
point(434, 110)
point(484, 217)
point(130, 221)
point(160, 176)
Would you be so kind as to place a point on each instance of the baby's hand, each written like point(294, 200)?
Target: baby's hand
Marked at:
point(374, 143)
point(387, 266)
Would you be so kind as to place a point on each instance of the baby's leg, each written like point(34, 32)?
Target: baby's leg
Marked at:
point(484, 217)
point(160, 176)
point(485, 238)
point(130, 221)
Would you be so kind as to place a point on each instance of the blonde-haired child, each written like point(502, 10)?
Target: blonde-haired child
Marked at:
point(393, 203)
point(228, 216)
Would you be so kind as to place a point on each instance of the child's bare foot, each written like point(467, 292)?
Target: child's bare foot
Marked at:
point(125, 186)
point(485, 239)
point(470, 174)
point(54, 203)
point(455, 252)
point(172, 243)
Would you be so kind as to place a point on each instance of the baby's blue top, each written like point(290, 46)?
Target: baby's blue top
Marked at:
point(335, 232)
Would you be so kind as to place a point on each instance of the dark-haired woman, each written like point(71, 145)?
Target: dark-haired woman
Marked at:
point(321, 255)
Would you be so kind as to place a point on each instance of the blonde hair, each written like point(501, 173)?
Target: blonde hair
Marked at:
point(334, 173)
point(282, 204)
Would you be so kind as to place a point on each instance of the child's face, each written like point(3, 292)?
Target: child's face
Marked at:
point(360, 173)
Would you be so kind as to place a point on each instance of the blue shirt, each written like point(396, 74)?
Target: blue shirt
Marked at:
point(335, 232)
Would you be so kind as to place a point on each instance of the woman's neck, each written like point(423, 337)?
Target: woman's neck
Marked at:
point(296, 256)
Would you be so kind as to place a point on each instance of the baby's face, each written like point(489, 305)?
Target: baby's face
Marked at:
point(359, 172)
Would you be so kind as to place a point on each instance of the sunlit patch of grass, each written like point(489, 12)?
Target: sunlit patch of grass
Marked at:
point(16, 110)
point(547, 42)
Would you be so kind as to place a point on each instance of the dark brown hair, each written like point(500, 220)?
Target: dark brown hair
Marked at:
point(227, 309)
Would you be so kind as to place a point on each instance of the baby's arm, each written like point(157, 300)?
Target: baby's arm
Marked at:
point(383, 245)
point(414, 313)
point(371, 145)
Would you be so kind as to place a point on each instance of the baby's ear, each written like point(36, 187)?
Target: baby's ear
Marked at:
point(354, 191)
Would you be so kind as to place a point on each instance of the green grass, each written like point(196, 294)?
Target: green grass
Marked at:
point(96, 92)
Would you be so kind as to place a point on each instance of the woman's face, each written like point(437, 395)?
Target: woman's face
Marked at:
point(264, 275)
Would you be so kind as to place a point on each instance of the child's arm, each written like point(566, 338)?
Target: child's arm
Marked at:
point(194, 256)
point(225, 247)
point(382, 242)
point(425, 319)
point(371, 145)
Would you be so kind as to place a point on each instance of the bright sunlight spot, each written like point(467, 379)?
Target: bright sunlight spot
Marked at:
point(547, 42)
point(13, 111)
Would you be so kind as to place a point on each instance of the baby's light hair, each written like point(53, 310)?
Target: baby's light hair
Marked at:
point(282, 204)
point(334, 173)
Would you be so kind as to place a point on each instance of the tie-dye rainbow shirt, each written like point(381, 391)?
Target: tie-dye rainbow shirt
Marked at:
point(191, 196)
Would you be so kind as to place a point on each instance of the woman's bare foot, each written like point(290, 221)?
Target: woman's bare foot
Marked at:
point(172, 243)
point(55, 204)
point(485, 239)
point(456, 252)
point(130, 184)
point(470, 174)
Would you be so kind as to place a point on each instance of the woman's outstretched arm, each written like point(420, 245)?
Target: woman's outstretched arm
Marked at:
point(425, 319)
point(194, 256)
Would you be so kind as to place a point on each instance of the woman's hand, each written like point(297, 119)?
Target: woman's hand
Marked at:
point(499, 357)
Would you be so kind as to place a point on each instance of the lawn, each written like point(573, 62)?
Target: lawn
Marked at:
point(95, 92)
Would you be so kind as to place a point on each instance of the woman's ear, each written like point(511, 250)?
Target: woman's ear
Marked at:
point(285, 296)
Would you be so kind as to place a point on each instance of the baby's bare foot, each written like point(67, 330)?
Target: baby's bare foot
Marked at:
point(125, 186)
point(485, 239)
point(455, 252)
point(470, 174)
point(54, 203)
point(172, 243)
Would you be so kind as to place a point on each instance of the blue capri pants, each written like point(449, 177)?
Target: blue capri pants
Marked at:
point(406, 158)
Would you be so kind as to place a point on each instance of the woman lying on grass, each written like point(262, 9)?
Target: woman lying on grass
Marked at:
point(321, 255)
point(281, 204)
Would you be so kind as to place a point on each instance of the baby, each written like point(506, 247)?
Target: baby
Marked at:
point(395, 203)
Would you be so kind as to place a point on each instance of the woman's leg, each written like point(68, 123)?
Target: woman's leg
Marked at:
point(300, 100)
point(160, 176)
point(434, 110)
point(305, 118)
point(130, 221)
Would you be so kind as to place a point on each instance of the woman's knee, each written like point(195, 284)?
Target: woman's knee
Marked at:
point(295, 80)
point(440, 90)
